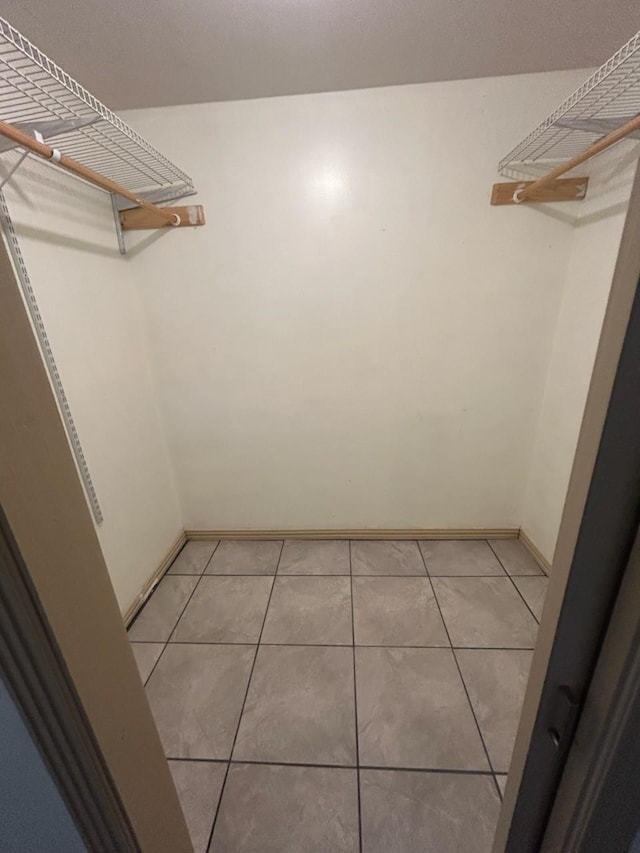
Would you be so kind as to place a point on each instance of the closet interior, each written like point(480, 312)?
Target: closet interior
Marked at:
point(324, 393)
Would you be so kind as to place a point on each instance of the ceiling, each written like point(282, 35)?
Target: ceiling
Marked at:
point(142, 53)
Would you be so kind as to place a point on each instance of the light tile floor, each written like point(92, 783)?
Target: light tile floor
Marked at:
point(335, 696)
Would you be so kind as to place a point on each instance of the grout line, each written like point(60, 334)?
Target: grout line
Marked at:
point(186, 574)
point(355, 701)
point(380, 767)
point(428, 770)
point(464, 575)
point(515, 585)
point(159, 580)
point(152, 591)
point(472, 710)
point(192, 593)
point(219, 803)
point(495, 779)
point(426, 568)
point(166, 642)
point(206, 565)
point(247, 643)
point(484, 746)
point(244, 700)
point(331, 645)
point(326, 575)
point(153, 668)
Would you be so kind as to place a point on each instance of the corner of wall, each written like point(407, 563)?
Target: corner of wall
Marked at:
point(87, 298)
point(591, 260)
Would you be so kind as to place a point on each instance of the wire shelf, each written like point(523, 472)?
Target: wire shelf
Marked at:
point(609, 98)
point(36, 94)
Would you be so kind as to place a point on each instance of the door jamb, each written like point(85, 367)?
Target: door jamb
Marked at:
point(609, 716)
point(46, 510)
point(37, 678)
point(596, 533)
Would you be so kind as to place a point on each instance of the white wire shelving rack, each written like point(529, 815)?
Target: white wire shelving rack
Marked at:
point(37, 95)
point(42, 100)
point(606, 100)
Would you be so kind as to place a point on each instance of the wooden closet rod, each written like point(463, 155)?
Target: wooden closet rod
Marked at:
point(601, 145)
point(53, 155)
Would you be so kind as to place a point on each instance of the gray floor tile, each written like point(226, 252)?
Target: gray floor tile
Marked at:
point(196, 694)
point(386, 558)
point(459, 557)
point(275, 809)
point(162, 611)
point(146, 655)
point(300, 707)
point(413, 711)
point(407, 812)
point(310, 610)
point(245, 557)
point(485, 612)
point(396, 612)
point(534, 591)
point(515, 557)
point(502, 782)
point(193, 558)
point(496, 680)
point(225, 610)
point(198, 784)
point(314, 557)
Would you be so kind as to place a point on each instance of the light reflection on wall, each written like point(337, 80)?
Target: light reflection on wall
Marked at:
point(329, 184)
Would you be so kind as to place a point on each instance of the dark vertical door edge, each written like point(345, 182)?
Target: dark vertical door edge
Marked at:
point(605, 540)
point(36, 676)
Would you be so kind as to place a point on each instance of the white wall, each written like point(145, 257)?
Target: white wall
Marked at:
point(593, 252)
point(356, 338)
point(91, 307)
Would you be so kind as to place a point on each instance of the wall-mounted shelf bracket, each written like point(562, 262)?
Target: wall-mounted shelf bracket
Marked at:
point(538, 190)
point(141, 218)
point(145, 215)
point(122, 248)
point(567, 189)
point(14, 168)
point(601, 113)
point(42, 130)
point(50, 115)
point(5, 147)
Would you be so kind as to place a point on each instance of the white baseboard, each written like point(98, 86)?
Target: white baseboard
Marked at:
point(544, 564)
point(151, 583)
point(359, 533)
point(337, 533)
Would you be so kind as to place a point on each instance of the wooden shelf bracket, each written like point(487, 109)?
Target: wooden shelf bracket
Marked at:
point(511, 192)
point(141, 218)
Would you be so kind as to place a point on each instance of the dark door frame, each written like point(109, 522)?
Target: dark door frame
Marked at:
point(607, 533)
point(598, 802)
point(598, 529)
point(35, 674)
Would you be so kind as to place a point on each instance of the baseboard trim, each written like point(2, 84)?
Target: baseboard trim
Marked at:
point(544, 564)
point(155, 578)
point(340, 533)
point(359, 533)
